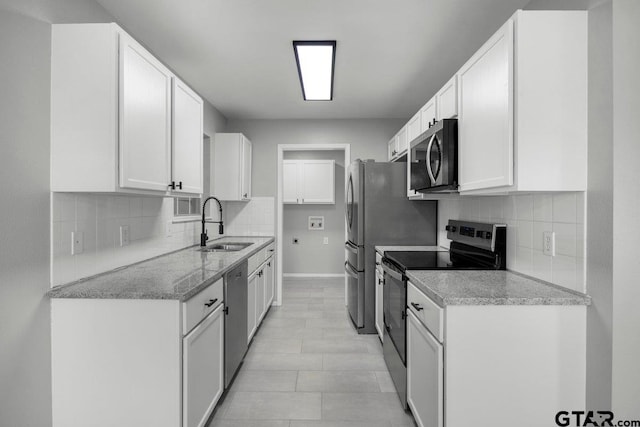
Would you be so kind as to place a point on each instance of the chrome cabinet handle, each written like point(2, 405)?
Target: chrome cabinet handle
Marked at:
point(417, 306)
point(211, 302)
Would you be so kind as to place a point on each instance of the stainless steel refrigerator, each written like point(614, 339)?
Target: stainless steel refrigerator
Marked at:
point(378, 213)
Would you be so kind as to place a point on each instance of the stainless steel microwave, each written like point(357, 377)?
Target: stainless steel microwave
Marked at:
point(434, 158)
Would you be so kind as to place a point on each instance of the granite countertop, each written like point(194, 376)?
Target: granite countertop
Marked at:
point(493, 287)
point(177, 275)
point(382, 249)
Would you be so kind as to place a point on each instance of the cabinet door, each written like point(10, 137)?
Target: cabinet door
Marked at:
point(187, 159)
point(425, 365)
point(145, 119)
point(485, 126)
point(269, 283)
point(203, 375)
point(392, 148)
point(251, 306)
point(246, 169)
point(260, 296)
point(318, 181)
point(403, 143)
point(290, 180)
point(414, 127)
point(447, 100)
point(428, 114)
point(379, 303)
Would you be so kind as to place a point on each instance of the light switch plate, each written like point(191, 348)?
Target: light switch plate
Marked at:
point(124, 235)
point(325, 241)
point(77, 242)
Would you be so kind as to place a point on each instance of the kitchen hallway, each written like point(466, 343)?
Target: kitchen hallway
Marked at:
point(308, 367)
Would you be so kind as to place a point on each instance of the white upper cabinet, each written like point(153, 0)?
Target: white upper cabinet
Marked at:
point(428, 114)
point(145, 119)
point(447, 100)
point(523, 107)
point(392, 148)
point(112, 116)
point(308, 181)
point(231, 167)
point(485, 144)
point(414, 127)
point(290, 191)
point(398, 145)
point(187, 154)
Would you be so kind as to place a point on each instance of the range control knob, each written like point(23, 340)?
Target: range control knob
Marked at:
point(451, 228)
point(487, 235)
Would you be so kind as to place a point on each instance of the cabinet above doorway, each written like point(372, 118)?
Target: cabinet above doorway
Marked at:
point(308, 181)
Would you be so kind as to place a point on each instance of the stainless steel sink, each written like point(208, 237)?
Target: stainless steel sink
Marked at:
point(226, 247)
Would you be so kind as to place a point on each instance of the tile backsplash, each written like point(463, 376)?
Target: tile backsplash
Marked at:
point(151, 225)
point(153, 230)
point(253, 218)
point(527, 217)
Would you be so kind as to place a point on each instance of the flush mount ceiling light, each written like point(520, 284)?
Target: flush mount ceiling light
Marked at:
point(316, 61)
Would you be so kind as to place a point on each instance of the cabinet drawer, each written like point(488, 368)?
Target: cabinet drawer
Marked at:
point(427, 311)
point(196, 308)
point(253, 262)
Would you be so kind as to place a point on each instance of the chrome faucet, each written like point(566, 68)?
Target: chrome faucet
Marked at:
point(203, 236)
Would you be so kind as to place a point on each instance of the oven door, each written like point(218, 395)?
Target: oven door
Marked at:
point(394, 307)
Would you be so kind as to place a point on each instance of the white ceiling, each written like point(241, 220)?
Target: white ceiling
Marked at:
point(392, 55)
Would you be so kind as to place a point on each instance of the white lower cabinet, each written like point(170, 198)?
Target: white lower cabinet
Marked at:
point(135, 362)
point(203, 369)
point(425, 382)
point(260, 292)
point(252, 323)
point(504, 365)
point(379, 302)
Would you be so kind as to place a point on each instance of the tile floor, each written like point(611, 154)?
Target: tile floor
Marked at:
point(307, 367)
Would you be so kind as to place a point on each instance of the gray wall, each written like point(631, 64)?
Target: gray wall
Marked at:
point(368, 139)
point(311, 255)
point(600, 209)
point(25, 347)
point(626, 209)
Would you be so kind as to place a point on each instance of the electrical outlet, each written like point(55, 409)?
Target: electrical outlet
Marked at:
point(167, 229)
point(77, 242)
point(325, 241)
point(549, 243)
point(296, 241)
point(124, 235)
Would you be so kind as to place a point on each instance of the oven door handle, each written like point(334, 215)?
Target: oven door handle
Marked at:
point(350, 271)
point(394, 274)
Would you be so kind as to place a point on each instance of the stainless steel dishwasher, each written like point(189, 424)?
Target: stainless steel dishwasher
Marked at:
point(235, 322)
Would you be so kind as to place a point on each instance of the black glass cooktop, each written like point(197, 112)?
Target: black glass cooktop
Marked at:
point(419, 260)
point(440, 260)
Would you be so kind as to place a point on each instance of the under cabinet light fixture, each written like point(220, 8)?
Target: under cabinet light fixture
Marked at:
point(316, 62)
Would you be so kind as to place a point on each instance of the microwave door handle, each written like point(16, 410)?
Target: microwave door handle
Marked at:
point(428, 159)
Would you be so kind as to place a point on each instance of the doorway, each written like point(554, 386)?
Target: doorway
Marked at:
point(283, 151)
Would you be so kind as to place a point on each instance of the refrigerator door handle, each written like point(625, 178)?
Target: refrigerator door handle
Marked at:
point(351, 247)
point(350, 271)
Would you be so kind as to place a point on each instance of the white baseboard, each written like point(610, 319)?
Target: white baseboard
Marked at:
point(311, 275)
